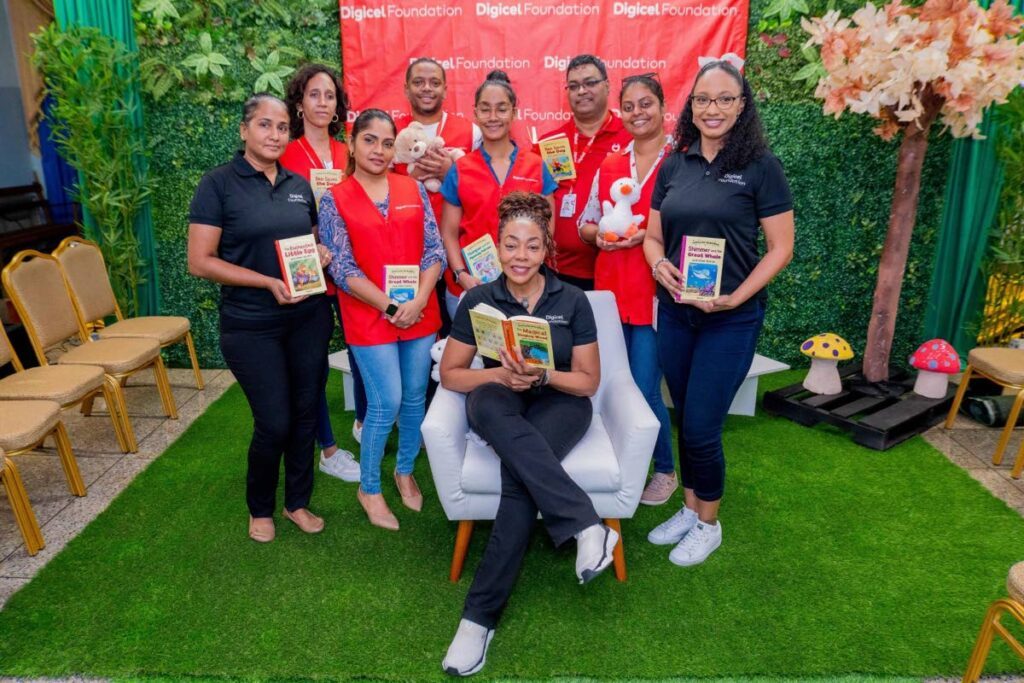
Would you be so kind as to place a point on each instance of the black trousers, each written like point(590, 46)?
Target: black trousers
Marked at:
point(280, 367)
point(531, 432)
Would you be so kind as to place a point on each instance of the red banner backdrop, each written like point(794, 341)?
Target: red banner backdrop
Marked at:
point(532, 41)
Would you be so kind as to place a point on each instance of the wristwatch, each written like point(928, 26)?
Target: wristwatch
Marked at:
point(457, 272)
point(391, 309)
point(543, 380)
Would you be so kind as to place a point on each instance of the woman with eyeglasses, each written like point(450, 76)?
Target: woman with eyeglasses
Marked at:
point(620, 266)
point(720, 181)
point(477, 182)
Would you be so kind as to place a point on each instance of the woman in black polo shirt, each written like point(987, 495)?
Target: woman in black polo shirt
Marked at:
point(721, 181)
point(531, 418)
point(274, 344)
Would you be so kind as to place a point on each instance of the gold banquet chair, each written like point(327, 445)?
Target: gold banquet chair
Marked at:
point(1012, 605)
point(68, 385)
point(24, 425)
point(18, 498)
point(89, 284)
point(1005, 367)
point(35, 283)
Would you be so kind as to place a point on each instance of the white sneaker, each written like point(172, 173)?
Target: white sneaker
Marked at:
point(341, 465)
point(357, 432)
point(672, 530)
point(594, 547)
point(697, 545)
point(468, 651)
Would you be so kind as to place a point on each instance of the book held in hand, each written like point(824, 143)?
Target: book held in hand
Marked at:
point(557, 154)
point(300, 265)
point(481, 257)
point(700, 263)
point(401, 283)
point(494, 331)
point(323, 179)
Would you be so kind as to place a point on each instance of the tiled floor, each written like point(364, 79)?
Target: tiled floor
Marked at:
point(105, 470)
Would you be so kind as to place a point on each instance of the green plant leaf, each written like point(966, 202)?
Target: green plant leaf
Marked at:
point(160, 9)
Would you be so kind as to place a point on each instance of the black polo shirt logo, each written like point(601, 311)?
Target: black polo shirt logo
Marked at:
point(734, 178)
point(556, 319)
point(297, 197)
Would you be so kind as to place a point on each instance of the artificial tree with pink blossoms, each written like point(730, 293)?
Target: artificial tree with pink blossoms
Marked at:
point(946, 60)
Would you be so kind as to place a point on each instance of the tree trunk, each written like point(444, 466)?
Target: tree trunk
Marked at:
point(893, 263)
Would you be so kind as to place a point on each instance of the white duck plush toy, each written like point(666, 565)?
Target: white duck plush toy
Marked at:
point(618, 221)
point(437, 350)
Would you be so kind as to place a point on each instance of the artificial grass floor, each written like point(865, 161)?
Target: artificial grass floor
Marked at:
point(836, 560)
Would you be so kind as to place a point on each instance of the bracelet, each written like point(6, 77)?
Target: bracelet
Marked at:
point(543, 380)
point(457, 272)
point(654, 268)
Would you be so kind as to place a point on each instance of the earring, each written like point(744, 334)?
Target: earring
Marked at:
point(335, 119)
point(298, 113)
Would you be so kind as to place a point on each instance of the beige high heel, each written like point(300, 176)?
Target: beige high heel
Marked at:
point(411, 496)
point(377, 510)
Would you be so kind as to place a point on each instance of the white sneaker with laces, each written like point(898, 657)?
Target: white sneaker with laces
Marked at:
point(357, 432)
point(702, 540)
point(341, 465)
point(594, 546)
point(468, 651)
point(672, 530)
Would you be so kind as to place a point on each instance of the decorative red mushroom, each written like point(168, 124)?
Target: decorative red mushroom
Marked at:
point(935, 361)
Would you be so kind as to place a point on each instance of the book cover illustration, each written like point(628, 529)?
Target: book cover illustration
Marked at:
point(494, 331)
point(557, 154)
point(481, 257)
point(300, 265)
point(401, 283)
point(323, 179)
point(701, 260)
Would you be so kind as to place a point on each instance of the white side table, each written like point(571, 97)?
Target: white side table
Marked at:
point(339, 361)
point(745, 401)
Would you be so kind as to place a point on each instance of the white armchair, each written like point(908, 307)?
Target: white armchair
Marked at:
point(610, 463)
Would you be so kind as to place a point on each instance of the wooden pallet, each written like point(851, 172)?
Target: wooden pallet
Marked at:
point(877, 418)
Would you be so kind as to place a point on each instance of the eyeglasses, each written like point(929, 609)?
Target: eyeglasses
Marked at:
point(589, 84)
point(724, 102)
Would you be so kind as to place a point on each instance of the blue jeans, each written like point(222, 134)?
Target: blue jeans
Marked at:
point(705, 358)
point(395, 376)
point(642, 349)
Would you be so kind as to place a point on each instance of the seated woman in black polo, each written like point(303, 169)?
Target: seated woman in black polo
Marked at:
point(531, 417)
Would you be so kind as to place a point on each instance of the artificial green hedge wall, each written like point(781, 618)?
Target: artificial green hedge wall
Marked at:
point(840, 173)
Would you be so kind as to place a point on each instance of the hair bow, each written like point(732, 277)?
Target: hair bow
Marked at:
point(730, 57)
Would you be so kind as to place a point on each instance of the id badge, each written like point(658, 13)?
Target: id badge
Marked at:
point(568, 208)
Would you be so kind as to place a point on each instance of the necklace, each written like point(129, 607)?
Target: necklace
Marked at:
point(525, 300)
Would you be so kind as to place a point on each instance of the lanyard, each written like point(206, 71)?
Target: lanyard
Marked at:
point(579, 157)
point(440, 126)
point(314, 158)
point(651, 170)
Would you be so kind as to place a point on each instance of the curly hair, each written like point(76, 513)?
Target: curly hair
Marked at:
point(531, 206)
point(297, 89)
point(745, 143)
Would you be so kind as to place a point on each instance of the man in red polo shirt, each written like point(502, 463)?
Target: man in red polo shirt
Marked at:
point(593, 132)
point(425, 88)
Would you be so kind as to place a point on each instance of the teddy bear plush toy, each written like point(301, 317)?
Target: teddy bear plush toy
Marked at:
point(618, 221)
point(437, 350)
point(413, 142)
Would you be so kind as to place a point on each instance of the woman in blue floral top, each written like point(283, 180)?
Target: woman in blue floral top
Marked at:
point(387, 257)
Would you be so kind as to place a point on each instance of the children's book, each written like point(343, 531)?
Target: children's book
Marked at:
point(557, 154)
point(401, 282)
point(701, 261)
point(494, 330)
point(300, 265)
point(481, 257)
point(323, 179)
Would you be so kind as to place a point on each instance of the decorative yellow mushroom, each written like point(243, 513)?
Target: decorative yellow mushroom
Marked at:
point(825, 351)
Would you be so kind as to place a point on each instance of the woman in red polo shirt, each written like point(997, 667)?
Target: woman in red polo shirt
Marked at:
point(476, 183)
point(621, 266)
point(372, 221)
point(317, 104)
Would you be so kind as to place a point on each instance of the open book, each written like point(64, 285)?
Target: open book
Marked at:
point(300, 265)
point(494, 331)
